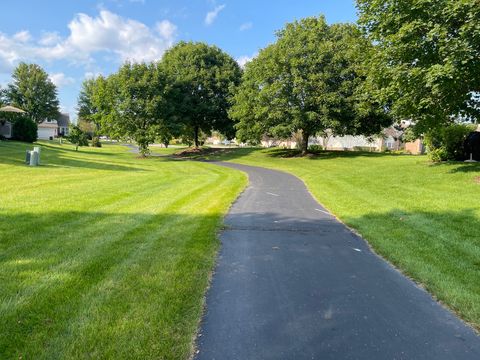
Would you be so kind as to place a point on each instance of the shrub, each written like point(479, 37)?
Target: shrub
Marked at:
point(24, 129)
point(447, 143)
point(96, 142)
point(315, 148)
point(77, 137)
point(437, 155)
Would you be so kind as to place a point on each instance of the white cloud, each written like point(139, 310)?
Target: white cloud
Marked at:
point(92, 75)
point(130, 39)
point(108, 32)
point(60, 79)
point(246, 26)
point(49, 38)
point(243, 60)
point(167, 30)
point(22, 36)
point(212, 15)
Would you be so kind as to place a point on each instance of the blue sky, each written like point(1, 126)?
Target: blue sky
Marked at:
point(73, 40)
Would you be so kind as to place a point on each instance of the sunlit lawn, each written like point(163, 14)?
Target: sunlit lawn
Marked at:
point(103, 255)
point(423, 218)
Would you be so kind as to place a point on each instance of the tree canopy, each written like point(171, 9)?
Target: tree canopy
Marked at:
point(308, 81)
point(137, 104)
point(426, 66)
point(201, 80)
point(33, 91)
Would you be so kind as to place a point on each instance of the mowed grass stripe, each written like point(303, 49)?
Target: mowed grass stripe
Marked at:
point(80, 239)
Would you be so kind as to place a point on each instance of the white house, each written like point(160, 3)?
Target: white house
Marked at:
point(389, 139)
point(50, 129)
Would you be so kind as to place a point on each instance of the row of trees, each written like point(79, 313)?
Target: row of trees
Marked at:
point(188, 92)
point(418, 62)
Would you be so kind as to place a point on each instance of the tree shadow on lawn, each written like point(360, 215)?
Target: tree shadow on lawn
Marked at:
point(69, 148)
point(226, 154)
point(48, 275)
point(54, 158)
point(461, 167)
point(324, 154)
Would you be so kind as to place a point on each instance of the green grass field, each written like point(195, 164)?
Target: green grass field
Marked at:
point(103, 255)
point(423, 218)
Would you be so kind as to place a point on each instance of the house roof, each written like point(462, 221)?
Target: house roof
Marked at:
point(63, 120)
point(45, 125)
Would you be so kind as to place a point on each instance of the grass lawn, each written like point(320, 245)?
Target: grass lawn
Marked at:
point(423, 218)
point(103, 255)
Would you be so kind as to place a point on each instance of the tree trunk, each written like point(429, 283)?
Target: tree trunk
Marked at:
point(195, 136)
point(305, 136)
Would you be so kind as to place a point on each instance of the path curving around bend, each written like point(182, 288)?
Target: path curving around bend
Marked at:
point(292, 282)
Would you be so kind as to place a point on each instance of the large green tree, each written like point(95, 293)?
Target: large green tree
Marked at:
point(33, 91)
point(201, 82)
point(308, 81)
point(427, 65)
point(137, 104)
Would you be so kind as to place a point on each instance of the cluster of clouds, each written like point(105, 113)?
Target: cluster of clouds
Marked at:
point(125, 38)
point(109, 34)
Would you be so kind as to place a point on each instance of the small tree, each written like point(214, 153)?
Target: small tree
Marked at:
point(77, 137)
point(33, 91)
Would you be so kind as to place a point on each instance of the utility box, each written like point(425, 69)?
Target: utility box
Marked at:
point(27, 157)
point(33, 158)
point(37, 150)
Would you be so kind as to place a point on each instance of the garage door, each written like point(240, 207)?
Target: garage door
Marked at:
point(45, 133)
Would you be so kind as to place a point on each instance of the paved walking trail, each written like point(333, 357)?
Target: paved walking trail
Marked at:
point(294, 283)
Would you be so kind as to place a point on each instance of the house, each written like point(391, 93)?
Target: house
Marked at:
point(389, 139)
point(50, 129)
point(47, 130)
point(415, 147)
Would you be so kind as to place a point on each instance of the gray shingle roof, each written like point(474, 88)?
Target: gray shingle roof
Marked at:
point(63, 120)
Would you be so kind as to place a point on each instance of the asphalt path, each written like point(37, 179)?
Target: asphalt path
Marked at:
point(292, 282)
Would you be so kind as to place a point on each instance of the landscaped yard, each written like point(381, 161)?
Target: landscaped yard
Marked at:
point(423, 218)
point(103, 255)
